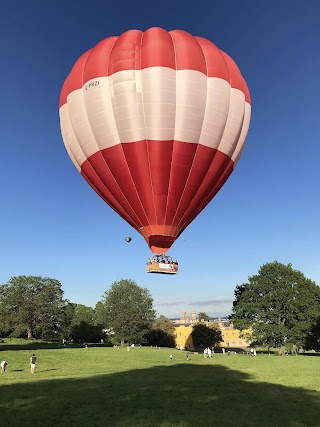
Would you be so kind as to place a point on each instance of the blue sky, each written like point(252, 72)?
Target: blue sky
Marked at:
point(53, 224)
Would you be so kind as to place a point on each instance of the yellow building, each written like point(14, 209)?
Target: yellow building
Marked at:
point(230, 335)
point(183, 336)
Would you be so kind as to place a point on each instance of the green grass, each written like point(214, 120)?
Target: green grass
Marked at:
point(101, 386)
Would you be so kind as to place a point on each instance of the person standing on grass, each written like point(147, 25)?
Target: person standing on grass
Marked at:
point(33, 360)
point(4, 366)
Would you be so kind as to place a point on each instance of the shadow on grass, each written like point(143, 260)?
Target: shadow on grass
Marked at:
point(183, 395)
point(310, 354)
point(30, 346)
point(45, 346)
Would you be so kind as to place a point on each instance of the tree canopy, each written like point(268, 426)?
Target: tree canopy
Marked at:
point(83, 325)
point(313, 337)
point(162, 333)
point(128, 310)
point(205, 335)
point(32, 306)
point(279, 304)
point(203, 316)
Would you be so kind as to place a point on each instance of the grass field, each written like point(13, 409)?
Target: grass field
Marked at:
point(101, 386)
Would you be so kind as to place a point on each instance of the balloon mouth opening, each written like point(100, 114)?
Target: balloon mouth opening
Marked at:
point(160, 244)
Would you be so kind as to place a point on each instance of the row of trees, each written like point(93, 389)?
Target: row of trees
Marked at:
point(34, 307)
point(279, 307)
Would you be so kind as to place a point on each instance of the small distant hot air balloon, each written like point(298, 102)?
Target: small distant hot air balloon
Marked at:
point(155, 121)
point(128, 239)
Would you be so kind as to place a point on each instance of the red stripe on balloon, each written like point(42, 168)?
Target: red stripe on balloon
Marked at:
point(137, 157)
point(157, 49)
point(160, 155)
point(121, 176)
point(216, 64)
point(134, 50)
point(108, 171)
point(208, 167)
point(74, 80)
point(188, 52)
point(182, 160)
point(97, 64)
point(236, 79)
point(124, 210)
point(123, 55)
point(220, 170)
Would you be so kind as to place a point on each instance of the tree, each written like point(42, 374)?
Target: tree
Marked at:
point(100, 315)
point(205, 335)
point(313, 337)
point(162, 333)
point(32, 306)
point(128, 311)
point(279, 304)
point(164, 324)
point(68, 313)
point(203, 316)
point(83, 326)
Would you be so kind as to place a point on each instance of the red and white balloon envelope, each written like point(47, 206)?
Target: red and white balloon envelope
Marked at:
point(155, 122)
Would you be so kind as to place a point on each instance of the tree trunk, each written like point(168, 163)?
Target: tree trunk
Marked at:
point(30, 337)
point(122, 343)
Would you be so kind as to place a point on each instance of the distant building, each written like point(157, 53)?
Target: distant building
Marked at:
point(185, 319)
point(230, 335)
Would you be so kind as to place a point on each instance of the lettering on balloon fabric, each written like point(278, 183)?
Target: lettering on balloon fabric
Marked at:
point(92, 84)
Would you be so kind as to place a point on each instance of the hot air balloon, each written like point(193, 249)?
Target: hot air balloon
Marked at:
point(128, 239)
point(155, 122)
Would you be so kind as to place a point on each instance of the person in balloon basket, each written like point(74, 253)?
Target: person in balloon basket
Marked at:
point(33, 360)
point(4, 366)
